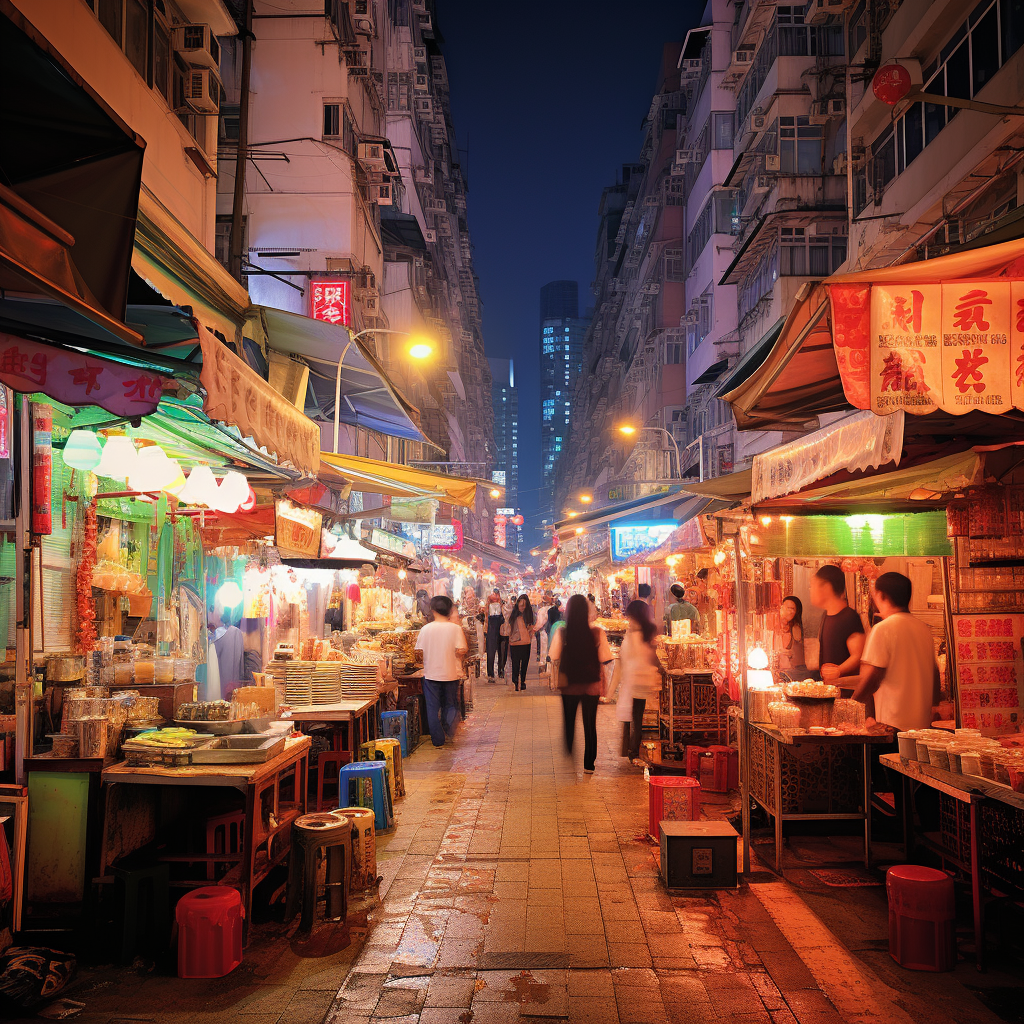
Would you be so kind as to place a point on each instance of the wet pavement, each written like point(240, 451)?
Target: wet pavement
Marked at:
point(515, 887)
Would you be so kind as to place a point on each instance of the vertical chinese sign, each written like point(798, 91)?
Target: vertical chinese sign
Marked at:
point(975, 346)
point(988, 664)
point(330, 299)
point(906, 368)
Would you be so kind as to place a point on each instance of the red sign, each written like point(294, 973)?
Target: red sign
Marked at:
point(446, 536)
point(330, 299)
point(76, 379)
point(891, 83)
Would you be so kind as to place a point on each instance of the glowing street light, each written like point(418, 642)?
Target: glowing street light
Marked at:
point(572, 513)
point(586, 498)
point(495, 493)
point(628, 429)
point(421, 349)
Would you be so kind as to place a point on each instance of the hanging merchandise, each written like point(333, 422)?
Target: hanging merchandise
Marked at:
point(42, 468)
point(119, 458)
point(86, 605)
point(82, 450)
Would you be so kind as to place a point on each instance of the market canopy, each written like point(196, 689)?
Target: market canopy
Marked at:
point(410, 482)
point(610, 513)
point(368, 397)
point(731, 488)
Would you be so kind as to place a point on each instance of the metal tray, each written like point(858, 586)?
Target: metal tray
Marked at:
point(213, 728)
point(248, 749)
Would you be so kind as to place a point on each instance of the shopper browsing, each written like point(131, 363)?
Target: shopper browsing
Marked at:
point(841, 633)
point(899, 676)
point(521, 629)
point(681, 609)
point(443, 644)
point(639, 673)
point(580, 651)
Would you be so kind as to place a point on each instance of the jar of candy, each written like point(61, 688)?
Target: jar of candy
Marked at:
point(145, 665)
point(122, 662)
point(164, 668)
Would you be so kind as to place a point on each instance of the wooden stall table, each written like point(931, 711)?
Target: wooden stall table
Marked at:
point(988, 837)
point(263, 846)
point(694, 706)
point(792, 781)
point(354, 721)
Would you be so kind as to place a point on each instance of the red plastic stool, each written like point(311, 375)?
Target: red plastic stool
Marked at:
point(672, 798)
point(209, 932)
point(922, 918)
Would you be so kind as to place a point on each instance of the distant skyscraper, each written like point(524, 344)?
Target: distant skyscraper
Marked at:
point(505, 401)
point(562, 330)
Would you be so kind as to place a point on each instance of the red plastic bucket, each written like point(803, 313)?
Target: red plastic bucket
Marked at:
point(209, 932)
point(671, 798)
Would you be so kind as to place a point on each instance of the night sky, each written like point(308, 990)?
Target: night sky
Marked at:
point(549, 95)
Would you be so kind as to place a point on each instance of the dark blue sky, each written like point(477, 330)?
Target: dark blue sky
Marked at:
point(550, 95)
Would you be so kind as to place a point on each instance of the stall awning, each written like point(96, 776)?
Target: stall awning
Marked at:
point(490, 554)
point(684, 513)
point(608, 514)
point(178, 266)
point(731, 488)
point(368, 397)
point(409, 481)
point(62, 142)
point(749, 363)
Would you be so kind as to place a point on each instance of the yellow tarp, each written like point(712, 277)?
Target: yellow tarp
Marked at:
point(374, 473)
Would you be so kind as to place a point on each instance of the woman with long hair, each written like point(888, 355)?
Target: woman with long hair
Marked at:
point(791, 626)
point(639, 673)
point(522, 626)
point(580, 651)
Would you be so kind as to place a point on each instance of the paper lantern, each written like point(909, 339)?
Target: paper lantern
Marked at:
point(518, 520)
point(757, 658)
point(119, 458)
point(153, 470)
point(83, 450)
point(200, 488)
point(353, 593)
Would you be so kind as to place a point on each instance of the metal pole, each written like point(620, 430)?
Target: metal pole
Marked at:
point(22, 591)
point(337, 391)
point(700, 440)
point(741, 635)
point(242, 156)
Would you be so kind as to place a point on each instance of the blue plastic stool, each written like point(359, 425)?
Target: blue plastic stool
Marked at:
point(376, 773)
point(395, 725)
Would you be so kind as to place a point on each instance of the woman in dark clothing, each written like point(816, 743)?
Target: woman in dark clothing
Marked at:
point(520, 637)
point(580, 650)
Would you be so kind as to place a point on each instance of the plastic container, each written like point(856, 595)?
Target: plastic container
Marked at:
point(144, 665)
point(922, 918)
point(784, 715)
point(209, 932)
point(907, 743)
point(849, 715)
point(163, 669)
point(184, 670)
point(761, 700)
point(970, 762)
point(671, 798)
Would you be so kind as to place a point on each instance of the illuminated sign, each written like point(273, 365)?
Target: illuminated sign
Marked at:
point(506, 511)
point(330, 299)
point(498, 477)
point(392, 542)
point(630, 539)
point(446, 536)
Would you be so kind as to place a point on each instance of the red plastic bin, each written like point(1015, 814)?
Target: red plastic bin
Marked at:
point(719, 769)
point(672, 798)
point(922, 918)
point(209, 932)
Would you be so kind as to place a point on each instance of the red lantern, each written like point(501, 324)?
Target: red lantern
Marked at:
point(353, 593)
point(517, 520)
point(501, 520)
point(891, 83)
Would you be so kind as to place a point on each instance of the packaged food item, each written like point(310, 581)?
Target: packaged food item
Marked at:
point(163, 669)
point(184, 670)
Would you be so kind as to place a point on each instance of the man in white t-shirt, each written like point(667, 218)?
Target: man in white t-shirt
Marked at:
point(443, 644)
point(899, 677)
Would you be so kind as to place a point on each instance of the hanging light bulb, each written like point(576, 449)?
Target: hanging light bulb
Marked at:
point(200, 487)
point(233, 490)
point(153, 470)
point(119, 458)
point(83, 450)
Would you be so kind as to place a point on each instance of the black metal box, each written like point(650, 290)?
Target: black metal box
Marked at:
point(698, 854)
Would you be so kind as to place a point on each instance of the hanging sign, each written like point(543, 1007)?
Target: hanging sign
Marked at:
point(958, 347)
point(446, 536)
point(392, 542)
point(42, 468)
point(989, 669)
point(891, 83)
point(297, 531)
point(635, 538)
point(330, 299)
point(76, 379)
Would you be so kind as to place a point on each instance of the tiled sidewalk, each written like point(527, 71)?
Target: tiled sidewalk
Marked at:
point(517, 887)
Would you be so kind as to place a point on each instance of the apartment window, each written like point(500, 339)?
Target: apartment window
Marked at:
point(806, 255)
point(675, 353)
point(332, 120)
point(222, 238)
point(111, 15)
point(722, 130)
point(136, 35)
point(800, 145)
point(674, 268)
point(760, 281)
point(162, 61)
point(229, 117)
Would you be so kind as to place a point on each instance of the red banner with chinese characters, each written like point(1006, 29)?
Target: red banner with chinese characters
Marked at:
point(920, 347)
point(330, 299)
point(77, 379)
point(989, 669)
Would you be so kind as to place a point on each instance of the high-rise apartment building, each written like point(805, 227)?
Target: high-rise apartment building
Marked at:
point(505, 401)
point(562, 331)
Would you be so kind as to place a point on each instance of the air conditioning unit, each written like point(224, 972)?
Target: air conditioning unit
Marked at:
point(758, 122)
point(743, 56)
point(371, 155)
point(421, 83)
point(419, 53)
point(836, 107)
point(772, 162)
point(763, 183)
point(381, 193)
point(430, 235)
point(652, 289)
point(690, 68)
point(362, 17)
point(202, 90)
point(422, 176)
point(198, 45)
point(817, 11)
point(424, 105)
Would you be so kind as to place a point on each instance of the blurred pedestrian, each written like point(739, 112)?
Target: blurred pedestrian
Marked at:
point(443, 644)
point(522, 626)
point(580, 651)
point(639, 674)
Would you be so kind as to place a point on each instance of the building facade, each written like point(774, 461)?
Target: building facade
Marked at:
point(505, 401)
point(562, 331)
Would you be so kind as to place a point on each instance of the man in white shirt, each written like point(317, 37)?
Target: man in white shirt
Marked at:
point(443, 644)
point(899, 677)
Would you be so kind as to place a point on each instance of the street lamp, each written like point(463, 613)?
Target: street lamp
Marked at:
point(629, 430)
point(495, 493)
point(419, 350)
point(586, 498)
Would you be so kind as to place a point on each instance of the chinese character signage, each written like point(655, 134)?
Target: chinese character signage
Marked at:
point(988, 668)
point(331, 300)
point(956, 346)
point(630, 539)
point(298, 532)
point(77, 379)
point(392, 542)
point(446, 536)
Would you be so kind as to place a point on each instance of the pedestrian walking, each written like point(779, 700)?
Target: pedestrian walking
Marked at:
point(580, 651)
point(522, 626)
point(495, 620)
point(639, 676)
point(443, 644)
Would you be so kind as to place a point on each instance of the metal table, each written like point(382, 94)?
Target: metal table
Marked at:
point(812, 771)
point(354, 722)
